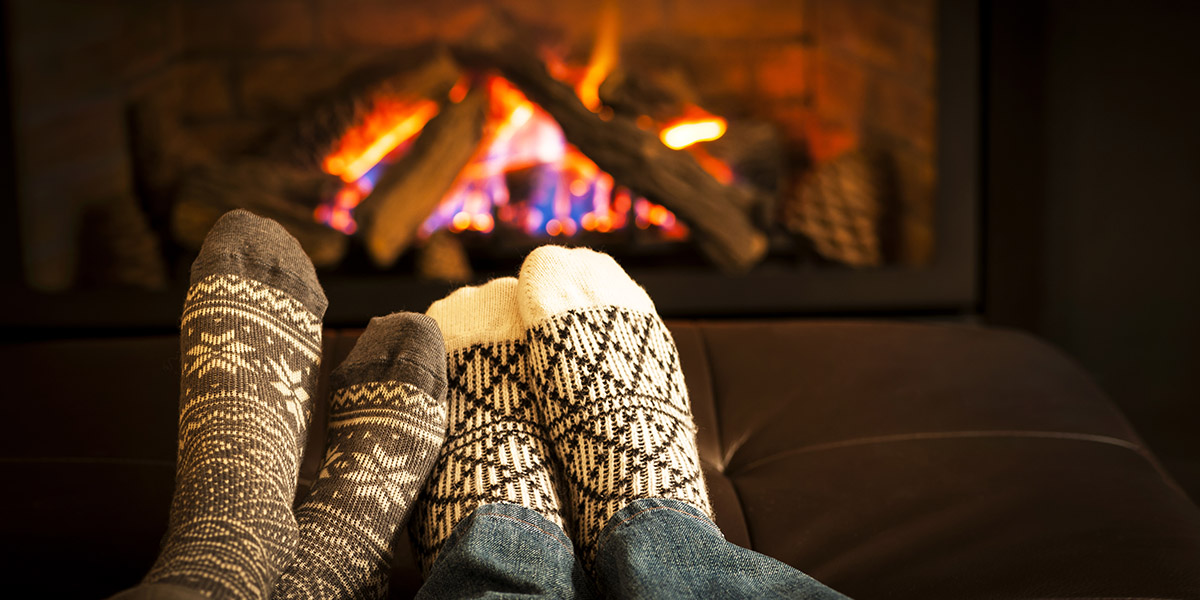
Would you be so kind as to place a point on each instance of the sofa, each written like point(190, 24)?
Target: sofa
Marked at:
point(888, 460)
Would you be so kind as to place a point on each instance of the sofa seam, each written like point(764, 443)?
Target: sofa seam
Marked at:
point(712, 388)
point(949, 435)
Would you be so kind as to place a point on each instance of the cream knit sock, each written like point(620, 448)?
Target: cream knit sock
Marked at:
point(495, 449)
point(387, 422)
point(608, 383)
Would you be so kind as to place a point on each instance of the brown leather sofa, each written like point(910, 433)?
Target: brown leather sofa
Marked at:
point(887, 460)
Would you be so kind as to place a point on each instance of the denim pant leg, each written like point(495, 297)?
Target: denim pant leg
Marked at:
point(506, 551)
point(659, 548)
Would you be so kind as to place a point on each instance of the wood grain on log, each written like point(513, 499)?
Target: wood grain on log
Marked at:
point(268, 188)
point(634, 157)
point(411, 189)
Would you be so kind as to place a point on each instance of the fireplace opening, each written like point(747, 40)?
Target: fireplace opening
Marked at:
point(758, 157)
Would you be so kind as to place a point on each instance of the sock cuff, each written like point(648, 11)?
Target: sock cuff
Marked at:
point(244, 244)
point(555, 280)
point(405, 347)
point(483, 314)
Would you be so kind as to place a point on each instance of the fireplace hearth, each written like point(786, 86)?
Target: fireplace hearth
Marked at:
point(833, 171)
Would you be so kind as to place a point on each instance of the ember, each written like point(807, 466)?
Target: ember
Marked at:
point(567, 191)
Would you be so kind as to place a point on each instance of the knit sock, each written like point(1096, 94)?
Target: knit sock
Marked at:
point(495, 450)
point(608, 383)
point(386, 424)
point(251, 344)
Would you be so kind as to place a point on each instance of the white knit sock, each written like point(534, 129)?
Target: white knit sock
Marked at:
point(495, 449)
point(607, 379)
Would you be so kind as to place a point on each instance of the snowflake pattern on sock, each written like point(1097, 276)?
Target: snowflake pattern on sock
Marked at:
point(383, 439)
point(250, 353)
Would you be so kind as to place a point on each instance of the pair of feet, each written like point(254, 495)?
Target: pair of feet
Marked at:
point(565, 396)
point(562, 384)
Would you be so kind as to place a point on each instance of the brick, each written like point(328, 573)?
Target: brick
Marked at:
point(741, 20)
point(204, 88)
point(281, 86)
point(222, 25)
point(902, 112)
point(577, 21)
point(53, 203)
point(862, 30)
point(922, 13)
point(65, 51)
point(782, 71)
point(916, 180)
point(840, 88)
point(70, 136)
point(378, 23)
point(228, 138)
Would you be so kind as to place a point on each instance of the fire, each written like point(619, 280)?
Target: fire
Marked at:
point(603, 59)
point(390, 124)
point(686, 133)
point(567, 192)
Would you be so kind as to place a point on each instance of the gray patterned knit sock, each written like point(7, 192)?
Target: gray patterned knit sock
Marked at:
point(608, 383)
point(386, 424)
point(251, 344)
point(495, 450)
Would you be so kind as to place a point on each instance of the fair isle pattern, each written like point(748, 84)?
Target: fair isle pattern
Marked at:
point(612, 393)
point(383, 439)
point(249, 355)
point(494, 451)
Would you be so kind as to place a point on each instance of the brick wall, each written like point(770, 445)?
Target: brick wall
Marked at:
point(832, 74)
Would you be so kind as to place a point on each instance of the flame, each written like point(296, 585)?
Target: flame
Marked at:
point(568, 192)
point(603, 59)
point(688, 132)
point(391, 123)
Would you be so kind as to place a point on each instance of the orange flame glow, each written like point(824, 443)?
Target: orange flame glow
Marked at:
point(392, 123)
point(604, 57)
point(688, 132)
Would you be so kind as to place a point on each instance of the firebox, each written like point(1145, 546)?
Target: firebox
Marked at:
point(756, 157)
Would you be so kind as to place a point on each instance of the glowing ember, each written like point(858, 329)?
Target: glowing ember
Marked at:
point(390, 124)
point(604, 57)
point(567, 192)
point(686, 133)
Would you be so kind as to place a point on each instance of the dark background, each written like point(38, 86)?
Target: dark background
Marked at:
point(1091, 199)
point(1092, 204)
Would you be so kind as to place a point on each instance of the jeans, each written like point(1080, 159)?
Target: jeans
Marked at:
point(653, 548)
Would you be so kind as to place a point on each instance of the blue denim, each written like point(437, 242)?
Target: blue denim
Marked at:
point(653, 548)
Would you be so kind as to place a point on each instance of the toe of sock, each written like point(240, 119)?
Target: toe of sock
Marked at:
point(405, 347)
point(555, 279)
point(482, 314)
point(244, 244)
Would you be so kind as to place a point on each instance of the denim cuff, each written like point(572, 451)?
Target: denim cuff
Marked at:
point(648, 508)
point(530, 519)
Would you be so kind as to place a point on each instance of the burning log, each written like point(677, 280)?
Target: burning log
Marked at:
point(443, 258)
point(269, 188)
point(634, 157)
point(838, 207)
point(412, 188)
point(429, 73)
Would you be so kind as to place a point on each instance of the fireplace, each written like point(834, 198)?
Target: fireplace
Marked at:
point(834, 171)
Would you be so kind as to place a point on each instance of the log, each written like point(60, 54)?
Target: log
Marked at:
point(838, 207)
point(268, 188)
point(443, 258)
point(424, 73)
point(635, 158)
point(409, 191)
